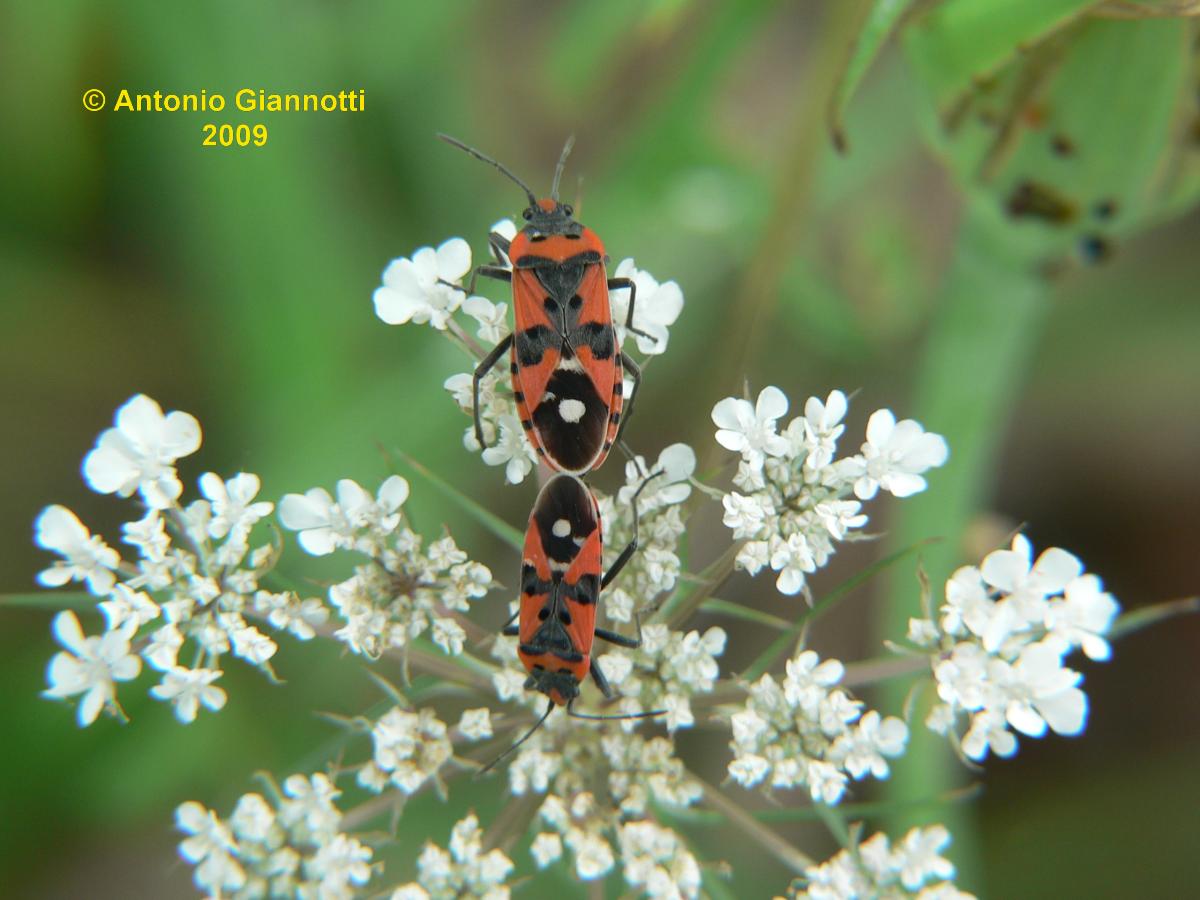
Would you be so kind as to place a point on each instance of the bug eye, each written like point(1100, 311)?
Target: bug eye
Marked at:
point(568, 209)
point(527, 215)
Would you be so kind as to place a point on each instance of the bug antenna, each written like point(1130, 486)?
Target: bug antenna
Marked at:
point(504, 170)
point(562, 164)
point(512, 749)
point(597, 718)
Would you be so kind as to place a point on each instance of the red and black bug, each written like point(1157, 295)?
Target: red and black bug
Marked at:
point(561, 582)
point(567, 368)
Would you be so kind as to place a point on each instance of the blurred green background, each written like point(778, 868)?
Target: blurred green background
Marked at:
point(942, 267)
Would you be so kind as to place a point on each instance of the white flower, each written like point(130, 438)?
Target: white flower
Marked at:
point(988, 731)
point(676, 463)
point(311, 803)
point(895, 455)
point(410, 747)
point(919, 856)
point(90, 665)
point(1084, 614)
point(873, 869)
point(163, 649)
point(746, 515)
point(476, 724)
point(655, 307)
point(252, 818)
point(1043, 693)
point(234, 511)
point(139, 453)
point(593, 855)
point(511, 451)
point(449, 635)
point(492, 318)
point(125, 604)
point(325, 525)
point(186, 689)
point(86, 556)
point(1025, 585)
point(416, 289)
point(338, 864)
point(211, 846)
point(822, 428)
point(546, 848)
point(750, 430)
point(252, 645)
point(792, 559)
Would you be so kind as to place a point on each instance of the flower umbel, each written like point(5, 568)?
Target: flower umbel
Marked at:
point(1000, 642)
point(793, 502)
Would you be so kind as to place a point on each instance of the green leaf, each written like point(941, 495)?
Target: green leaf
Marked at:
point(963, 41)
point(485, 517)
point(881, 21)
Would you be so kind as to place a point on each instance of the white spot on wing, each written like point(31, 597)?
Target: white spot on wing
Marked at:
point(561, 528)
point(571, 410)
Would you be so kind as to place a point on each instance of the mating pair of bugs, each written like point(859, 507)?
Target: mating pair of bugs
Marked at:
point(568, 382)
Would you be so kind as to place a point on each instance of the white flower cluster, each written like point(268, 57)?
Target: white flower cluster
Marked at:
point(405, 589)
point(808, 732)
point(658, 862)
point(634, 769)
point(195, 580)
point(654, 858)
point(795, 498)
point(409, 749)
point(874, 870)
point(427, 289)
point(664, 672)
point(1000, 641)
point(502, 432)
point(290, 848)
point(655, 568)
point(465, 871)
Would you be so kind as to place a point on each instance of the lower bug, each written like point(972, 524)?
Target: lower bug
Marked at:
point(561, 582)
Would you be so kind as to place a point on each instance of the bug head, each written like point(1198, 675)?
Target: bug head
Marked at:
point(543, 217)
point(561, 687)
point(552, 216)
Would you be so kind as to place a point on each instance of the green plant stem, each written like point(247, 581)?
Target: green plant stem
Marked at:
point(1138, 619)
point(771, 655)
point(741, 819)
point(988, 320)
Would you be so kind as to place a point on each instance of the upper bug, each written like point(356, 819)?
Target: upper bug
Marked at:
point(562, 577)
point(567, 367)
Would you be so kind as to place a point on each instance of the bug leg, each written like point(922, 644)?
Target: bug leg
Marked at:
point(511, 630)
point(484, 367)
point(601, 681)
point(498, 272)
point(635, 372)
point(619, 639)
point(619, 563)
point(498, 244)
point(628, 283)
